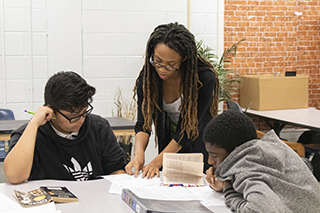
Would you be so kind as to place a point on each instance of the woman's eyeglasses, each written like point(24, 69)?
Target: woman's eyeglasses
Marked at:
point(76, 118)
point(158, 65)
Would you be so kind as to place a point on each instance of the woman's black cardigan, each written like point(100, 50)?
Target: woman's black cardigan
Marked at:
point(208, 80)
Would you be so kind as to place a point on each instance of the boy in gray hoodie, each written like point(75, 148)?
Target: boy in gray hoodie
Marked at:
point(257, 175)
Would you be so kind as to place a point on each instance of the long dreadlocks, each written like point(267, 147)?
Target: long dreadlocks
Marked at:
point(178, 38)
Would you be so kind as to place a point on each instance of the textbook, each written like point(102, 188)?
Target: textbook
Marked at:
point(180, 169)
point(141, 205)
point(43, 195)
point(33, 198)
point(59, 194)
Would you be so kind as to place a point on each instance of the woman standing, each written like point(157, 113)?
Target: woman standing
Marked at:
point(178, 91)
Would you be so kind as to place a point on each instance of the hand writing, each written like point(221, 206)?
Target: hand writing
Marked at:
point(213, 181)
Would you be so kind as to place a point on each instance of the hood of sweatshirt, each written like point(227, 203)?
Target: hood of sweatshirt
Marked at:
point(83, 132)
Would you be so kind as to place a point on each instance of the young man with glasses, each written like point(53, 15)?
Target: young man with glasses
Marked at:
point(63, 140)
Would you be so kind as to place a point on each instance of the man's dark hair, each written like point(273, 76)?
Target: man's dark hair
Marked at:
point(229, 130)
point(66, 90)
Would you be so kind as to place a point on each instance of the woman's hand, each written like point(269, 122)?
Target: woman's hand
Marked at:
point(151, 169)
point(214, 183)
point(137, 163)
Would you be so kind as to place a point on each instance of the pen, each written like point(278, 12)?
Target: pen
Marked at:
point(191, 185)
point(185, 185)
point(33, 113)
point(171, 185)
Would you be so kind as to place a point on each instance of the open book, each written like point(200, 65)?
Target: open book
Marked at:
point(183, 169)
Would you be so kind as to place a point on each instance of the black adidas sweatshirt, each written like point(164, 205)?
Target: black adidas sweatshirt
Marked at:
point(93, 153)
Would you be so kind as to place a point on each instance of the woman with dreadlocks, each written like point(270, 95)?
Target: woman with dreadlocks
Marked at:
point(178, 91)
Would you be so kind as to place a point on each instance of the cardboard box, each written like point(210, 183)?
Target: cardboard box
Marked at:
point(269, 92)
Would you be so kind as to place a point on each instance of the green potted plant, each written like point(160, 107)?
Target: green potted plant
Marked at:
point(228, 78)
point(126, 109)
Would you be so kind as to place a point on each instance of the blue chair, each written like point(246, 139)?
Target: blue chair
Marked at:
point(233, 105)
point(5, 114)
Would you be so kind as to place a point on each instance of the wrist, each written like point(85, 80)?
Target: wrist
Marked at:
point(138, 154)
point(227, 184)
point(33, 124)
point(157, 161)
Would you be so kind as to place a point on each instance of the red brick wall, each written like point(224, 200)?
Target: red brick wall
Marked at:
point(277, 40)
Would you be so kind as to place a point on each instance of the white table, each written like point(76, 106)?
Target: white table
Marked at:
point(92, 196)
point(305, 118)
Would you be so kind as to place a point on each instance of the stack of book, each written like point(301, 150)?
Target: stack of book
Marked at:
point(43, 195)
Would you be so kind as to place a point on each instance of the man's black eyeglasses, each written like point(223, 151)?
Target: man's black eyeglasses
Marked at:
point(75, 119)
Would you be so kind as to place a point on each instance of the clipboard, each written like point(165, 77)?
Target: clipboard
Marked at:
point(141, 205)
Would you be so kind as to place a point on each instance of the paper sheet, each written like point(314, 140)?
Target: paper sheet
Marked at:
point(121, 181)
point(153, 189)
point(9, 206)
point(165, 193)
point(208, 196)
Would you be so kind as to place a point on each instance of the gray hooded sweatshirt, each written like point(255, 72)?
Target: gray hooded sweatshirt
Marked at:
point(268, 177)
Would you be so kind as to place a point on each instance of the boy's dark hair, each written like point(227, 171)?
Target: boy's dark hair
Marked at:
point(229, 130)
point(66, 90)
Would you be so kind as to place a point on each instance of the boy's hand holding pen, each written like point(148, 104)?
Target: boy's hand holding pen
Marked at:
point(42, 115)
point(27, 111)
point(214, 183)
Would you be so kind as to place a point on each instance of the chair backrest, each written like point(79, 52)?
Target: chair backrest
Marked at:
point(6, 114)
point(296, 146)
point(233, 106)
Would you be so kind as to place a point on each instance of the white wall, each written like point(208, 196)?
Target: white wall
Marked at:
point(103, 40)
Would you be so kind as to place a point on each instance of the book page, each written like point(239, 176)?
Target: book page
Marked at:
point(183, 179)
point(173, 167)
point(191, 157)
point(183, 168)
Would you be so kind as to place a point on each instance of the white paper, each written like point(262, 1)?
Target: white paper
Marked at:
point(128, 181)
point(49, 207)
point(165, 193)
point(208, 196)
point(114, 189)
point(205, 195)
point(9, 206)
point(152, 189)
